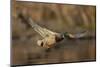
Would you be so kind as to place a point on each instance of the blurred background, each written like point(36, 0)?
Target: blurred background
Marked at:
point(56, 17)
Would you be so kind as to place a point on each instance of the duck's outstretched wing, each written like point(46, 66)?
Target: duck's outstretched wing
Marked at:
point(78, 35)
point(42, 31)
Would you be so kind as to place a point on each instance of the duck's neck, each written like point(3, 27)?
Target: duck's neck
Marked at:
point(59, 38)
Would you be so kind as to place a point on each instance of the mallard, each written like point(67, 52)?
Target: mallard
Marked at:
point(50, 38)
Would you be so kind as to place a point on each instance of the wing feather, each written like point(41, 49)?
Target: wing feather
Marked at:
point(78, 35)
point(42, 31)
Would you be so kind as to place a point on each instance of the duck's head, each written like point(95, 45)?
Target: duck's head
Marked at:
point(66, 35)
point(69, 35)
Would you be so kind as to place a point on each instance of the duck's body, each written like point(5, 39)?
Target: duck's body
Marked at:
point(50, 41)
point(47, 42)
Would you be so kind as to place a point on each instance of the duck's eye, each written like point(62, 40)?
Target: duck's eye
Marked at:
point(42, 44)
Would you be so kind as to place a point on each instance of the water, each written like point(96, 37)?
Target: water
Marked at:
point(65, 51)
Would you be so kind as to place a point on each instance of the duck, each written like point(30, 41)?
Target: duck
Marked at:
point(50, 38)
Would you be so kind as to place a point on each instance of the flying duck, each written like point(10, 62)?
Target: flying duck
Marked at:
point(50, 38)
